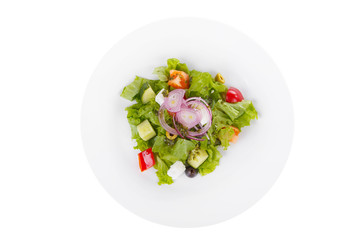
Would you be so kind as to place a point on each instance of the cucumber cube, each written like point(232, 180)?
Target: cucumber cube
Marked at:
point(197, 157)
point(145, 130)
point(148, 95)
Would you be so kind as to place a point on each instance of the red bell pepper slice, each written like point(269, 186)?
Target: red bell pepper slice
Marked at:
point(146, 159)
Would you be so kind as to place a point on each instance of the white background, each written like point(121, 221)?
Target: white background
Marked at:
point(48, 50)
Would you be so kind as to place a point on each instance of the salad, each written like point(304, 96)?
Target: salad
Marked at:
point(180, 120)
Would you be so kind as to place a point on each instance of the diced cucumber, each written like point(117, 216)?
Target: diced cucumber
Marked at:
point(148, 95)
point(145, 130)
point(197, 157)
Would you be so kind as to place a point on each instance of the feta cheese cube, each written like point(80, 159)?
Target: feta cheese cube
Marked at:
point(160, 99)
point(176, 169)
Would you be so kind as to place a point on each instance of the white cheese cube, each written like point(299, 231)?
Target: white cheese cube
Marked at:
point(176, 169)
point(160, 97)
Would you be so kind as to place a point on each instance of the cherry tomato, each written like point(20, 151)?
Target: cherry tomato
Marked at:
point(234, 95)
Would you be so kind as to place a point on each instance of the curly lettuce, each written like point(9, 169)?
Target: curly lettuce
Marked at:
point(168, 155)
point(162, 167)
point(133, 90)
point(235, 114)
point(139, 112)
point(204, 85)
point(225, 134)
point(211, 162)
point(177, 152)
point(163, 72)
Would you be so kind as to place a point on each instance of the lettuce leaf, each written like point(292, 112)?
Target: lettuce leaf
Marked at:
point(228, 109)
point(163, 72)
point(225, 134)
point(203, 85)
point(182, 67)
point(178, 152)
point(211, 162)
point(132, 90)
point(141, 144)
point(162, 167)
point(249, 113)
point(236, 114)
point(157, 85)
point(139, 112)
point(220, 119)
point(172, 63)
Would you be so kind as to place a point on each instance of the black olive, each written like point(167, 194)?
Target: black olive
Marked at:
point(191, 172)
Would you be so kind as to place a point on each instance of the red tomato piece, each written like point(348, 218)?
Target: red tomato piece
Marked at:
point(234, 138)
point(234, 95)
point(146, 159)
point(179, 79)
point(171, 113)
point(236, 135)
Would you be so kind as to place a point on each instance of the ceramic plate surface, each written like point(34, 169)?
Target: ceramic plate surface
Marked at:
point(247, 170)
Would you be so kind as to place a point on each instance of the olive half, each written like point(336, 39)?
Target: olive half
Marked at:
point(219, 78)
point(170, 136)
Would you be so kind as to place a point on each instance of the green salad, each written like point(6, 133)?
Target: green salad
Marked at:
point(181, 120)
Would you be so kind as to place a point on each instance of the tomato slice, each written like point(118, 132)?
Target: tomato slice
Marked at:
point(146, 159)
point(234, 95)
point(179, 79)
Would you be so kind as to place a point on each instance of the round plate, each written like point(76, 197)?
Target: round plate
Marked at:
point(247, 170)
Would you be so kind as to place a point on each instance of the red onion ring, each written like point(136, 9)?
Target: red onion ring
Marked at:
point(174, 100)
point(187, 136)
point(176, 129)
point(193, 138)
point(188, 117)
point(203, 103)
point(162, 121)
point(201, 100)
point(190, 105)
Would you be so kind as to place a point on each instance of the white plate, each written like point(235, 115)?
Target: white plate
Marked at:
point(247, 170)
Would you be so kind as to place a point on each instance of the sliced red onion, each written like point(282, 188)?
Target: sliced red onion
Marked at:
point(201, 105)
point(199, 99)
point(184, 103)
point(190, 112)
point(176, 129)
point(187, 136)
point(162, 121)
point(174, 100)
point(194, 138)
point(188, 117)
point(202, 109)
